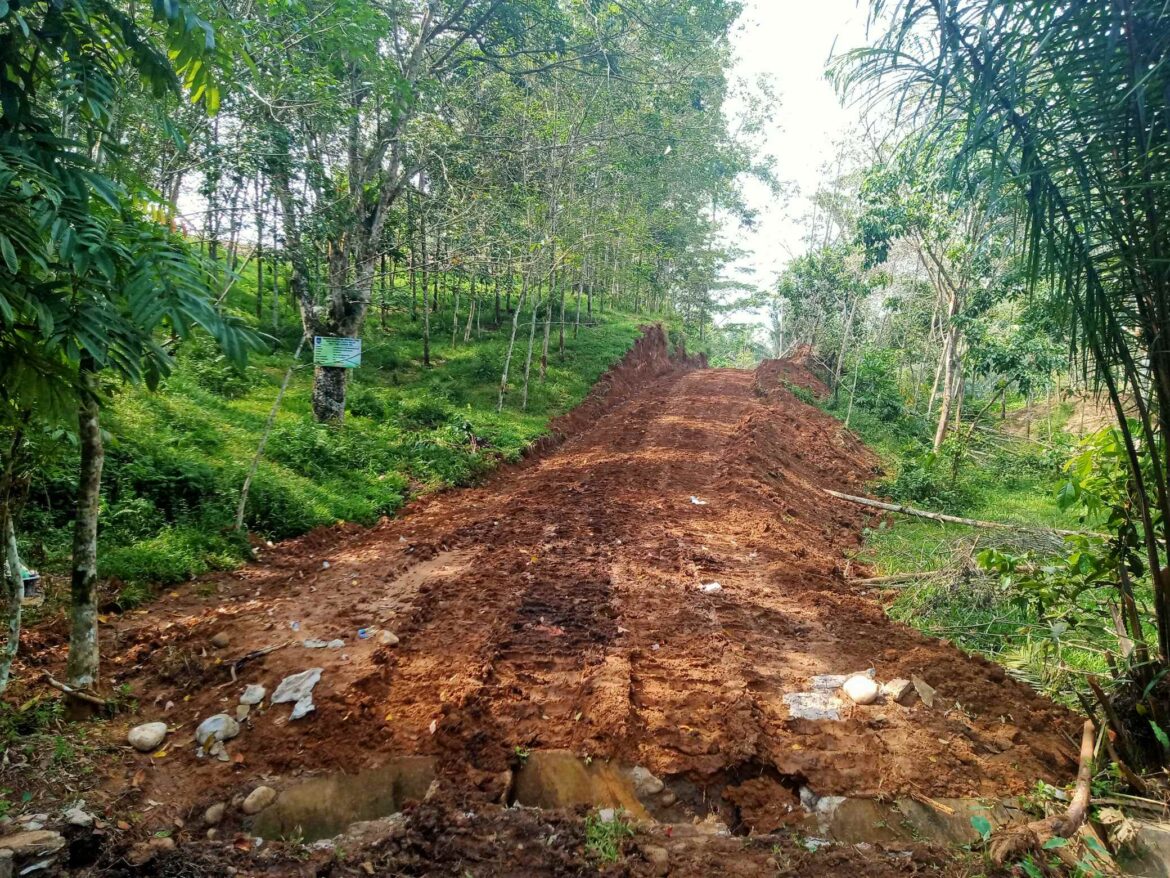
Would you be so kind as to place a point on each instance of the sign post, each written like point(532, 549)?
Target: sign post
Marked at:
point(341, 353)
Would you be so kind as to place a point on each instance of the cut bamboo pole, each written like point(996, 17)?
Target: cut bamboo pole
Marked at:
point(954, 519)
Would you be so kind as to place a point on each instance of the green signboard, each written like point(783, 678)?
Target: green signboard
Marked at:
point(344, 353)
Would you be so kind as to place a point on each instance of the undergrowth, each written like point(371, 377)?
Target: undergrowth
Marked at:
point(605, 833)
point(176, 458)
point(986, 475)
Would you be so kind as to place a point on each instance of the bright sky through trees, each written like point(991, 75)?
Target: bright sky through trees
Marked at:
point(790, 41)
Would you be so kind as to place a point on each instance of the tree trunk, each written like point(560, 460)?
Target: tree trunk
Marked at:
point(531, 341)
point(14, 590)
point(259, 251)
point(82, 667)
point(329, 393)
point(511, 345)
point(275, 268)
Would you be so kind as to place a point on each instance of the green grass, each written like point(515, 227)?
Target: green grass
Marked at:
point(1009, 481)
point(603, 838)
point(176, 458)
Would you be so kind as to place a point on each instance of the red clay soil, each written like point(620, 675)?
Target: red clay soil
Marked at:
point(558, 606)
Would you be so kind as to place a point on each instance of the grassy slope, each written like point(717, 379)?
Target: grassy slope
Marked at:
point(1015, 482)
point(176, 458)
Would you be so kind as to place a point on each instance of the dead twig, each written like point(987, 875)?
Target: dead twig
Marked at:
point(79, 694)
point(253, 655)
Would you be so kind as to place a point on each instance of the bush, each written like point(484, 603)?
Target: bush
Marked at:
point(206, 365)
point(876, 390)
point(424, 412)
point(366, 402)
point(926, 478)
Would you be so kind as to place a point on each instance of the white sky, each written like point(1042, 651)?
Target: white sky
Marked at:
point(790, 41)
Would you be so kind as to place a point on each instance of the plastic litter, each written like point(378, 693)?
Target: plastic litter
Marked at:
point(253, 694)
point(697, 501)
point(711, 588)
point(299, 689)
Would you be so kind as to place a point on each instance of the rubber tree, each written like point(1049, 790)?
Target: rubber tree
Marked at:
point(341, 102)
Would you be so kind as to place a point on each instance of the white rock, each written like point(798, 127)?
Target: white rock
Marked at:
point(79, 817)
point(645, 783)
point(220, 727)
point(897, 690)
point(607, 815)
point(147, 736)
point(387, 638)
point(336, 644)
point(259, 799)
point(214, 814)
point(861, 689)
point(711, 588)
point(254, 694)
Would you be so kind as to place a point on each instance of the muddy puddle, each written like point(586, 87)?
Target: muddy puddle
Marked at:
point(752, 801)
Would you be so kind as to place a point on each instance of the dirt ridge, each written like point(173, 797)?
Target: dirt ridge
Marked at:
point(557, 606)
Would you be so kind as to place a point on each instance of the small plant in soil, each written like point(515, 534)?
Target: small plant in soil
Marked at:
point(603, 838)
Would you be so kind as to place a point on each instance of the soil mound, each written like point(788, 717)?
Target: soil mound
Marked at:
point(652, 592)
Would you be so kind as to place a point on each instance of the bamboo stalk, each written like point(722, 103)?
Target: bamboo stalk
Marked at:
point(954, 519)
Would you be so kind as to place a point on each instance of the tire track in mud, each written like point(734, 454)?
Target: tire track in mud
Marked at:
point(557, 606)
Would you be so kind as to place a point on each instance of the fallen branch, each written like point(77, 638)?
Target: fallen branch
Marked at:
point(955, 519)
point(896, 578)
point(76, 693)
point(254, 654)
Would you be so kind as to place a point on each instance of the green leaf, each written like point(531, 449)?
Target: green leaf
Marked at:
point(9, 253)
point(1054, 843)
point(1161, 735)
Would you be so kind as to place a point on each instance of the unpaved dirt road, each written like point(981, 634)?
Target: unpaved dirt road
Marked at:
point(559, 607)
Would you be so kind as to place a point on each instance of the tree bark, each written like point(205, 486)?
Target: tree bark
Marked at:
point(329, 384)
point(14, 590)
point(82, 667)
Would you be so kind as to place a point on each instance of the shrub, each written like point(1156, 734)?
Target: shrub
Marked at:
point(876, 390)
point(926, 478)
point(423, 412)
point(206, 365)
point(366, 402)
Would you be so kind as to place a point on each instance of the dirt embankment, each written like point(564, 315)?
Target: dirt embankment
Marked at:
point(560, 607)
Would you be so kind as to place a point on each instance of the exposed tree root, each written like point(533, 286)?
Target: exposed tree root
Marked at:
point(1014, 843)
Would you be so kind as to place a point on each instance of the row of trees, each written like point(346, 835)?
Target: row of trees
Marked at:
point(560, 157)
point(561, 153)
point(1016, 226)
